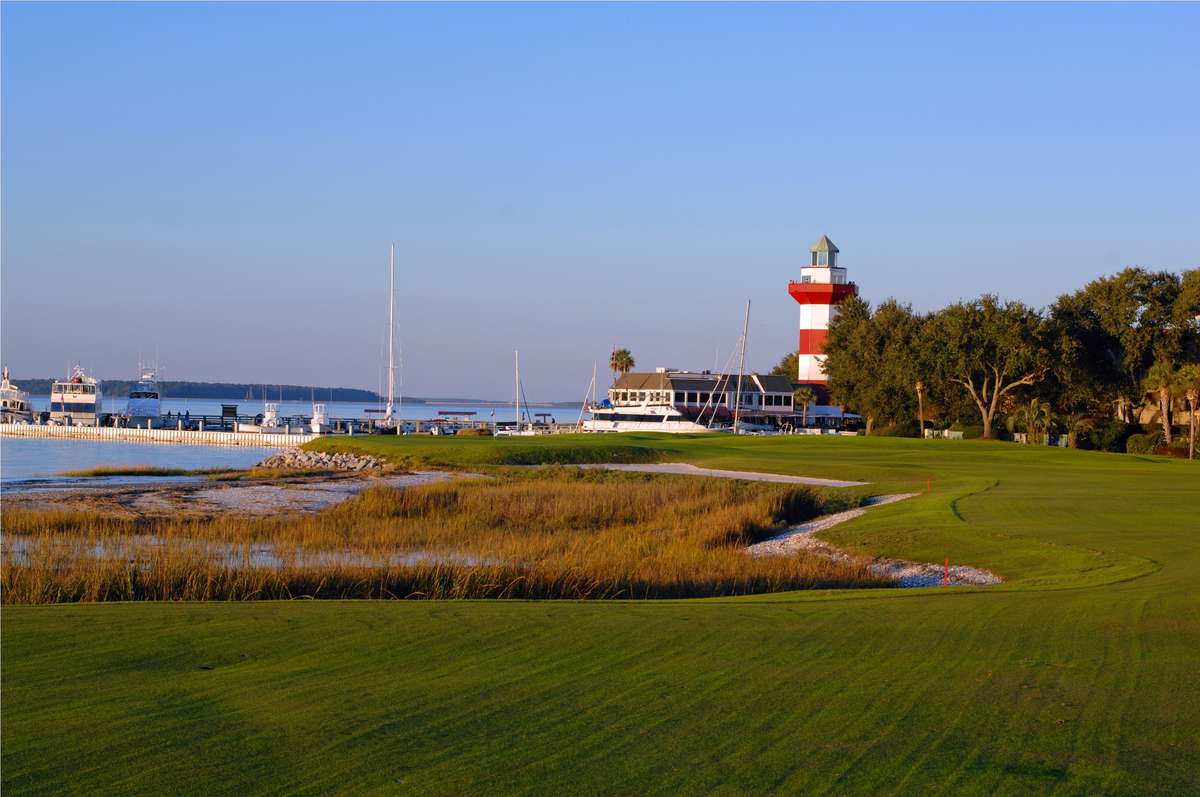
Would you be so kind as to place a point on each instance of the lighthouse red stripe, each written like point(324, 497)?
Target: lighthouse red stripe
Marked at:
point(821, 292)
point(812, 341)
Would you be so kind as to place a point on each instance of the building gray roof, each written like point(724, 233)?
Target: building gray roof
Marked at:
point(773, 383)
point(643, 381)
point(824, 245)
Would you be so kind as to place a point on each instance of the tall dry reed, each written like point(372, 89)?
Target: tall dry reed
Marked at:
point(548, 533)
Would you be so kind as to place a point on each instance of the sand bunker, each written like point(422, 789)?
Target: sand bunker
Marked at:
point(906, 573)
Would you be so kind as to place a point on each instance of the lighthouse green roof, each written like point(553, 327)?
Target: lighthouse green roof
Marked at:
point(824, 245)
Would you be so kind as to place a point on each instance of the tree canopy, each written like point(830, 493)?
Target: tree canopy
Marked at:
point(987, 347)
point(788, 366)
point(1102, 348)
point(871, 360)
point(621, 361)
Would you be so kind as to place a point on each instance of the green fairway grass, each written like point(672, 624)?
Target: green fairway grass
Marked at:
point(1079, 675)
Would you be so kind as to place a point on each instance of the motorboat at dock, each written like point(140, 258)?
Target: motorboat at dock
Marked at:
point(76, 400)
point(144, 408)
point(14, 402)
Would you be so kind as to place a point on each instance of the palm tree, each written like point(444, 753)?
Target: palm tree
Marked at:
point(621, 361)
point(802, 397)
point(1034, 416)
point(920, 388)
point(1159, 382)
point(1076, 423)
point(1187, 382)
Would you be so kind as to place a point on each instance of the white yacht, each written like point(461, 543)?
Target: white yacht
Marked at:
point(14, 402)
point(267, 423)
point(144, 408)
point(320, 419)
point(684, 401)
point(76, 400)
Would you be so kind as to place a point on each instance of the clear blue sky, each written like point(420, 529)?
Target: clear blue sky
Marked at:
point(220, 182)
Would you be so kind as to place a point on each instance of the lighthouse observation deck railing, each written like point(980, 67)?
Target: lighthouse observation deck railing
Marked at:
point(801, 284)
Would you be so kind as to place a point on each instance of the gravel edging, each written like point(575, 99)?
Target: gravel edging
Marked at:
point(300, 459)
point(905, 572)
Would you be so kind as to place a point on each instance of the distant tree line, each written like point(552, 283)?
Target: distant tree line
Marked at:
point(1084, 367)
point(220, 390)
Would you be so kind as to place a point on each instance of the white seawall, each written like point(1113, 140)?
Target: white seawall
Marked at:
point(195, 438)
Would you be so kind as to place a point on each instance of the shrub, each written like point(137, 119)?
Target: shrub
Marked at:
point(1178, 447)
point(970, 431)
point(1144, 443)
point(1111, 436)
point(901, 429)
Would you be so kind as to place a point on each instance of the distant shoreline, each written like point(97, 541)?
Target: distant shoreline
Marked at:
point(234, 391)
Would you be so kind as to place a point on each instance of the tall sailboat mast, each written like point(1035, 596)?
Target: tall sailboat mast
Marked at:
point(391, 396)
point(517, 403)
point(737, 399)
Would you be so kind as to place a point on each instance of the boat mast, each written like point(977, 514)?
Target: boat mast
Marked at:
point(517, 401)
point(391, 396)
point(737, 399)
point(589, 397)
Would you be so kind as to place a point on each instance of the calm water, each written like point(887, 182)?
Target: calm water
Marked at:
point(336, 409)
point(23, 458)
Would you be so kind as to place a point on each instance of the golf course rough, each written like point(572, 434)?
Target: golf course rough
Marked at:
point(1079, 675)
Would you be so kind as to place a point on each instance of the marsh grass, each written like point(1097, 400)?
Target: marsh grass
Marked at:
point(545, 533)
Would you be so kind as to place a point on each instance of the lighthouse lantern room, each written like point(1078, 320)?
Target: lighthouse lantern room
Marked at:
point(821, 288)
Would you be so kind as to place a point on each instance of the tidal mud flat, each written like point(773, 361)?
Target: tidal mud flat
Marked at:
point(196, 496)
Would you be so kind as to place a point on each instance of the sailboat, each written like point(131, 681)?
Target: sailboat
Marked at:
point(517, 430)
point(395, 403)
point(389, 410)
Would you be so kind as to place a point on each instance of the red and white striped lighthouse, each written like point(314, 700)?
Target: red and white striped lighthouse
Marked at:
point(822, 287)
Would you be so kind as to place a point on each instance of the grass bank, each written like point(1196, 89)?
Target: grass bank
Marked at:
point(424, 451)
point(1078, 676)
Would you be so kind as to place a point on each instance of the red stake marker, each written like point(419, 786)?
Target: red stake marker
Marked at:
point(946, 577)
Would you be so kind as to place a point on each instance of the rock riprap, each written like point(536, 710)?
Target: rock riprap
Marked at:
point(299, 459)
